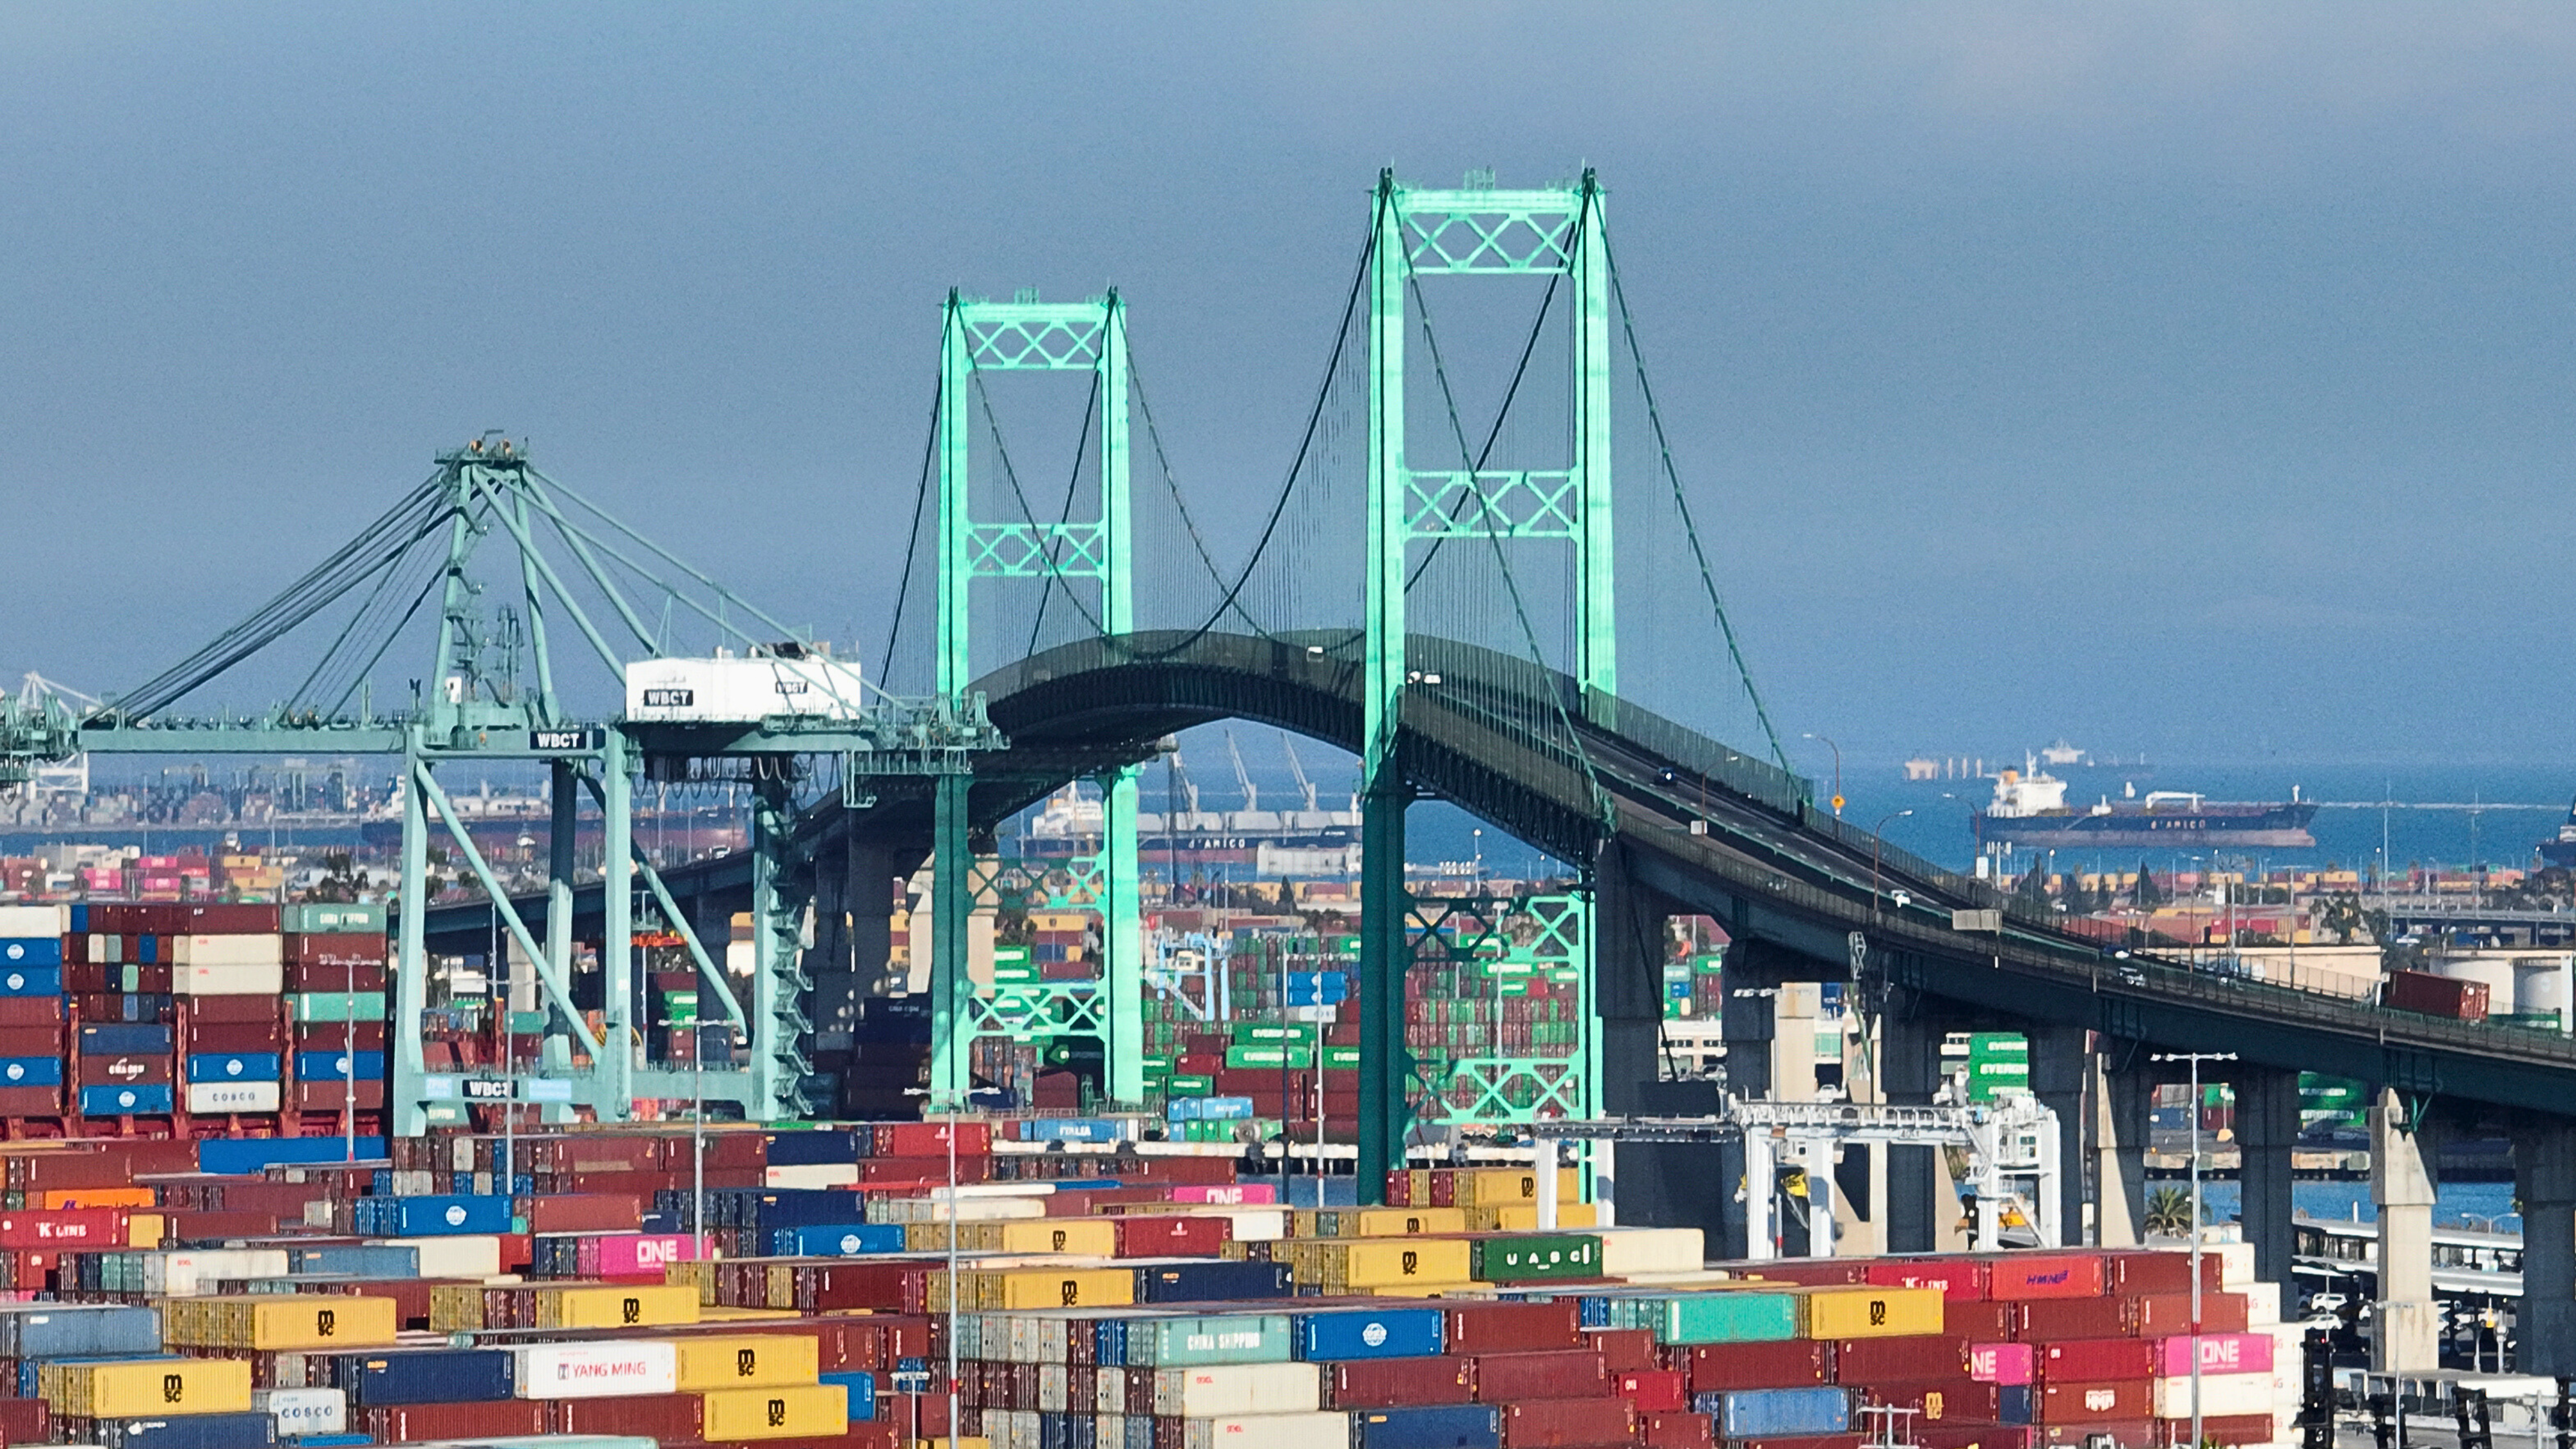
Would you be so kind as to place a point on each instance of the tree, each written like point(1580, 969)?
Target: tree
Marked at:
point(2147, 896)
point(2034, 885)
point(2168, 1213)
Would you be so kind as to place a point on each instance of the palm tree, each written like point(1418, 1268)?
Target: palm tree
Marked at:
point(2169, 1213)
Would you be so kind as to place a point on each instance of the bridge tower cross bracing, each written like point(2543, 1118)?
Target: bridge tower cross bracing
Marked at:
point(1473, 231)
point(1030, 335)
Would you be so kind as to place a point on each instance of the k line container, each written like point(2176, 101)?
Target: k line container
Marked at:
point(606, 1370)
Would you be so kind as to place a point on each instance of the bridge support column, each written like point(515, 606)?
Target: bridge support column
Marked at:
point(870, 898)
point(1922, 1206)
point(2061, 1075)
point(2267, 1131)
point(2406, 1326)
point(1660, 1184)
point(2124, 1100)
point(1384, 954)
point(2544, 1177)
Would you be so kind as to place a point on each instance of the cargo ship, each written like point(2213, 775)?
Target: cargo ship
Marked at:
point(2030, 810)
point(2560, 850)
point(1308, 840)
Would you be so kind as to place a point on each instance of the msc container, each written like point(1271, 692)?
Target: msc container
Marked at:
point(1391, 1333)
point(1214, 1338)
point(1539, 1256)
point(639, 1305)
point(304, 1411)
point(792, 1411)
point(1265, 1431)
point(1461, 1426)
point(1734, 1315)
point(248, 1429)
point(1213, 1281)
point(229, 979)
point(606, 1370)
point(2022, 1277)
point(2426, 994)
point(132, 1388)
point(220, 1097)
point(1565, 1374)
point(1783, 1413)
point(1782, 1364)
point(427, 1376)
point(745, 1361)
point(1855, 1313)
point(154, 1097)
point(1552, 1423)
point(1399, 1382)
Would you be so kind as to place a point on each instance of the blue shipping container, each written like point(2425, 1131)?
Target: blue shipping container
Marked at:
point(426, 1376)
point(116, 1101)
point(31, 950)
point(1210, 1109)
point(2012, 1404)
point(1395, 1333)
point(78, 1330)
point(1210, 1282)
point(339, 1066)
point(842, 1240)
point(358, 1260)
point(1783, 1413)
point(246, 1156)
point(1069, 1129)
point(31, 981)
point(436, 1215)
point(863, 1391)
point(31, 1071)
point(233, 1067)
point(1441, 1426)
point(788, 1207)
point(247, 1429)
point(120, 1039)
point(805, 1149)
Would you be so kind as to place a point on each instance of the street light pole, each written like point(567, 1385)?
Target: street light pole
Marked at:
point(1877, 850)
point(1838, 770)
point(2195, 1059)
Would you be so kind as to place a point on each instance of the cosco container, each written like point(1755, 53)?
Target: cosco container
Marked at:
point(1449, 1426)
point(339, 1066)
point(23, 951)
point(427, 1376)
point(597, 1370)
point(432, 1216)
point(1391, 1333)
point(304, 1411)
point(221, 1097)
point(1783, 1413)
point(31, 1071)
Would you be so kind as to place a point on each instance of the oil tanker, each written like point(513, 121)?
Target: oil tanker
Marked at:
point(2030, 810)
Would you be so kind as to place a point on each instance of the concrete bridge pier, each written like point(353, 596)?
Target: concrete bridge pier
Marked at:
point(2406, 1325)
point(2544, 1178)
point(2267, 1130)
point(1922, 1204)
point(2123, 1106)
point(1660, 1184)
point(2061, 1077)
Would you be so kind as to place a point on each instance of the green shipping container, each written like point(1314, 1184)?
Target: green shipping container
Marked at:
point(332, 919)
point(1341, 1059)
point(1725, 1316)
point(1272, 1033)
point(1215, 1338)
point(1011, 955)
point(1005, 974)
point(1189, 1086)
point(337, 1006)
point(1294, 1058)
point(1523, 1259)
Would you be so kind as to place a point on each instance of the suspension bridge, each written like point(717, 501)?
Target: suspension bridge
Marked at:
point(1432, 583)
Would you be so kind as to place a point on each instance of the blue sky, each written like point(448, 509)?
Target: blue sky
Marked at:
point(2187, 378)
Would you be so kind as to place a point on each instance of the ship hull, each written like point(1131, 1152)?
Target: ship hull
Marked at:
point(2274, 827)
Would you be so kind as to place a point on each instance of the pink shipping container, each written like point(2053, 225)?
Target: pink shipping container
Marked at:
point(2220, 1353)
point(2008, 1364)
point(635, 1255)
point(1245, 1194)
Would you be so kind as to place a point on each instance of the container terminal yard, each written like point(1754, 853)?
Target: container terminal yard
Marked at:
point(1739, 1126)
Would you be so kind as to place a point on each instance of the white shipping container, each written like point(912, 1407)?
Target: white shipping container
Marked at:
point(467, 1255)
point(267, 950)
point(265, 978)
point(304, 1411)
point(233, 1096)
point(1652, 1250)
point(811, 1174)
point(2219, 1394)
point(1266, 1431)
point(2235, 1266)
point(1251, 1224)
point(185, 1274)
point(965, 1210)
point(598, 1370)
point(2262, 1304)
point(35, 920)
point(741, 691)
point(1220, 1390)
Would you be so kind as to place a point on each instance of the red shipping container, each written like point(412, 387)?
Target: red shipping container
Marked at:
point(334, 1036)
point(927, 1169)
point(122, 1071)
point(232, 1008)
point(2163, 1315)
point(2127, 1433)
point(2047, 1321)
point(2103, 1402)
point(225, 920)
point(1961, 1280)
point(2092, 1360)
point(1822, 1441)
point(1565, 1374)
point(596, 1212)
point(63, 1228)
point(1792, 1364)
point(83, 979)
point(1959, 1400)
point(24, 1421)
point(930, 1139)
point(1164, 1235)
point(2161, 1270)
point(1655, 1391)
point(1624, 1349)
point(337, 977)
point(1980, 1322)
point(1562, 1423)
point(204, 1227)
point(1880, 1360)
point(501, 1418)
point(2024, 1277)
point(30, 1041)
point(35, 1270)
point(235, 1036)
point(1398, 1383)
point(31, 1101)
point(328, 1096)
point(31, 1011)
point(1975, 1436)
point(1822, 1273)
point(335, 950)
point(1681, 1431)
point(154, 979)
point(1477, 1328)
point(2426, 994)
point(2218, 1429)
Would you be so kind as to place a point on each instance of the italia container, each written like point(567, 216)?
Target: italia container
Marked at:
point(1223, 1390)
point(1393, 1333)
point(641, 1305)
point(1783, 1413)
point(804, 1411)
point(606, 1370)
point(1266, 1431)
point(147, 1386)
point(745, 1361)
point(1439, 1426)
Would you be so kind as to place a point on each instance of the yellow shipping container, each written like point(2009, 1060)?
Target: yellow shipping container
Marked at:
point(746, 1361)
point(455, 1307)
point(1872, 1312)
point(94, 1197)
point(801, 1411)
point(1429, 1290)
point(1522, 1217)
point(155, 1386)
point(1079, 1288)
point(698, 1277)
point(143, 1230)
point(1097, 1237)
point(280, 1321)
point(605, 1307)
point(1353, 1263)
point(1402, 1222)
point(1494, 1186)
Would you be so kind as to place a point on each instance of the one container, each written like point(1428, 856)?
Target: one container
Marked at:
point(607, 1370)
point(2220, 1353)
point(1460, 1426)
point(2002, 1363)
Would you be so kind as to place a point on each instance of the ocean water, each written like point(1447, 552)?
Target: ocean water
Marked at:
point(2459, 1205)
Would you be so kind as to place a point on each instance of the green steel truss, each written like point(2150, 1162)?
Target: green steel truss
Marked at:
point(1030, 335)
point(1503, 940)
point(1473, 231)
